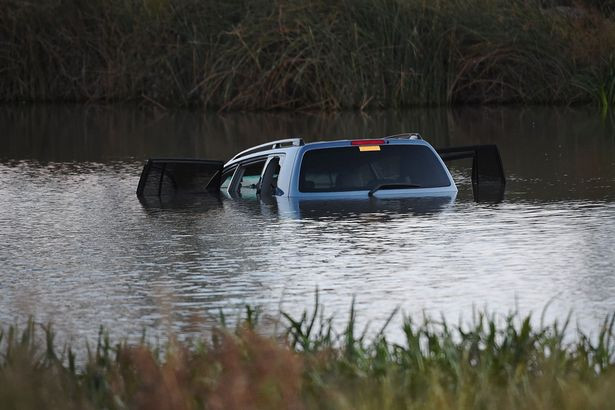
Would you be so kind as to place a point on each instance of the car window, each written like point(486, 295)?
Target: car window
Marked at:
point(269, 183)
point(250, 177)
point(226, 178)
point(352, 169)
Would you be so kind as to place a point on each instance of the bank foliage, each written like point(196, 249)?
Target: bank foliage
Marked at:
point(488, 363)
point(314, 54)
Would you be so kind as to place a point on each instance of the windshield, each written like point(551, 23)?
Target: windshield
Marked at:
point(353, 169)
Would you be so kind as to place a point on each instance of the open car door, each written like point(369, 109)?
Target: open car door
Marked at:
point(488, 180)
point(166, 177)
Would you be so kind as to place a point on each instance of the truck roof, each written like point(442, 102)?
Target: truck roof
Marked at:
point(294, 144)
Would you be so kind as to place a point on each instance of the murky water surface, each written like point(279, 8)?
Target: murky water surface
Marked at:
point(78, 247)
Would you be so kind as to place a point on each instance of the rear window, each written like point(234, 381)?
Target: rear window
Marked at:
point(349, 169)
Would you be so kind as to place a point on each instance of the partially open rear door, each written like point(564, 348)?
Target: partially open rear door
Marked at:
point(488, 180)
point(173, 176)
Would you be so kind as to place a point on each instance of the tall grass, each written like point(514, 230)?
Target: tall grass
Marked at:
point(600, 83)
point(295, 54)
point(489, 363)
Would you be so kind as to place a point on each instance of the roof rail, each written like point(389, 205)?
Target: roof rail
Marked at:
point(405, 136)
point(270, 145)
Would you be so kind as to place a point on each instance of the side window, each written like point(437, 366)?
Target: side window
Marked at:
point(276, 173)
point(250, 175)
point(269, 184)
point(227, 176)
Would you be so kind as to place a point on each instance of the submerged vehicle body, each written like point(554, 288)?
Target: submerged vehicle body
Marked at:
point(397, 166)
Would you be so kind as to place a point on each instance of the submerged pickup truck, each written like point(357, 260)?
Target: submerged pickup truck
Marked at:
point(402, 165)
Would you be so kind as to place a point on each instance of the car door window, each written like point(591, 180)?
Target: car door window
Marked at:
point(269, 181)
point(226, 178)
point(250, 175)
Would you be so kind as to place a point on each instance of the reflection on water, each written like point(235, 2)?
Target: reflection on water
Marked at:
point(78, 246)
point(349, 209)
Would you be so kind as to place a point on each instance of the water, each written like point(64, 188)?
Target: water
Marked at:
point(79, 249)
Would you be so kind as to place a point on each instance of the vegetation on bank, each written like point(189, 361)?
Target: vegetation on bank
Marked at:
point(315, 54)
point(504, 364)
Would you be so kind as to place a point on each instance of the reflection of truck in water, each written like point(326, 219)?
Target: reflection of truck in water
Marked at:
point(398, 166)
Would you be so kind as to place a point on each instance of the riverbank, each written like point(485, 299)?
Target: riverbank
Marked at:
point(502, 363)
point(316, 55)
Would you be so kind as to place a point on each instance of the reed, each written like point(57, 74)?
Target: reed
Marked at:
point(600, 84)
point(491, 362)
point(316, 54)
